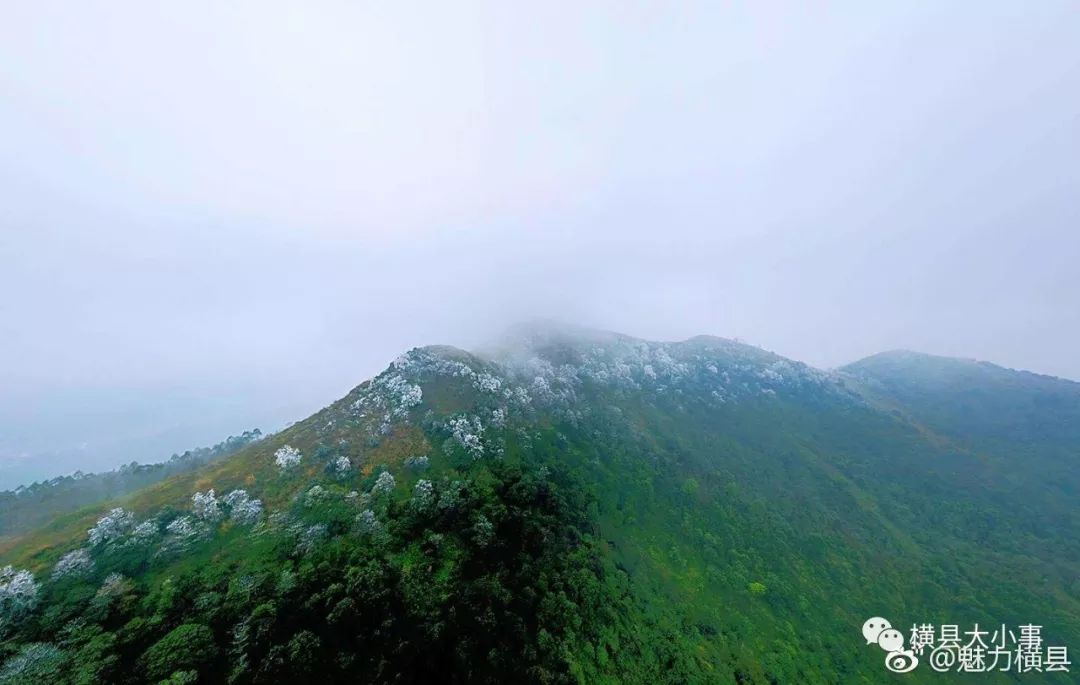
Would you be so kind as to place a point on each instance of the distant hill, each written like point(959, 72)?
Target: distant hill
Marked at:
point(975, 400)
point(25, 507)
point(579, 506)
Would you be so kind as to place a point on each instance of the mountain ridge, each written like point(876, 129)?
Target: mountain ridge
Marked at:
point(537, 336)
point(902, 355)
point(709, 497)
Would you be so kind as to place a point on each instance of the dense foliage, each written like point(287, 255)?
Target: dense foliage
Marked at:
point(494, 579)
point(581, 511)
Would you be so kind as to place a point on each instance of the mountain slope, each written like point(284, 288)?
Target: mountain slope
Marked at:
point(28, 507)
point(1024, 427)
point(573, 506)
point(975, 400)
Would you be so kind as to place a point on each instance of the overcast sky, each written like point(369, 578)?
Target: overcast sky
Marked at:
point(220, 215)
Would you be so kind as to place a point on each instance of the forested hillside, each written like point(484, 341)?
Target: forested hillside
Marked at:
point(26, 507)
point(573, 506)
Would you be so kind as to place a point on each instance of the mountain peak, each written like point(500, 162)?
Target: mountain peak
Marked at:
point(906, 365)
point(904, 355)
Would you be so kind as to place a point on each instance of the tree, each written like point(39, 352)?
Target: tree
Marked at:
point(423, 495)
point(111, 526)
point(304, 653)
point(18, 594)
point(342, 467)
point(75, 563)
point(189, 646)
point(206, 507)
point(242, 508)
point(38, 662)
point(287, 456)
point(384, 483)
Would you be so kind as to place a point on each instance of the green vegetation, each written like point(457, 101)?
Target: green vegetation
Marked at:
point(584, 508)
point(28, 507)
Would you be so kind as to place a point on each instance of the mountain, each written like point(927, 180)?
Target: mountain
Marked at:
point(578, 506)
point(975, 401)
point(1024, 427)
point(27, 507)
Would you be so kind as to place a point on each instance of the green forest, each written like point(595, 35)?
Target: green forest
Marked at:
point(577, 509)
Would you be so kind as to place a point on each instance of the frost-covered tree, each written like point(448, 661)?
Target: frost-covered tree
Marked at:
point(183, 527)
point(385, 483)
point(145, 533)
point(287, 457)
point(412, 396)
point(37, 662)
point(402, 394)
point(310, 538)
point(181, 532)
point(485, 382)
point(74, 563)
point(367, 522)
point(112, 526)
point(342, 467)
point(242, 508)
point(206, 507)
point(423, 495)
point(541, 388)
point(467, 434)
point(18, 594)
point(418, 464)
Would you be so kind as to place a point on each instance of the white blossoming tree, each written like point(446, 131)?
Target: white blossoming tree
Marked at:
point(423, 495)
point(206, 507)
point(145, 533)
point(18, 594)
point(342, 467)
point(367, 522)
point(243, 509)
point(384, 484)
point(287, 457)
point(467, 434)
point(180, 533)
point(74, 563)
point(37, 662)
point(411, 396)
point(485, 382)
point(112, 526)
point(310, 538)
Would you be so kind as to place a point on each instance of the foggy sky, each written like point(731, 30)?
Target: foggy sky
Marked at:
point(215, 216)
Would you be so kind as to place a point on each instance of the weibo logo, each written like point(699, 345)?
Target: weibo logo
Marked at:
point(879, 631)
